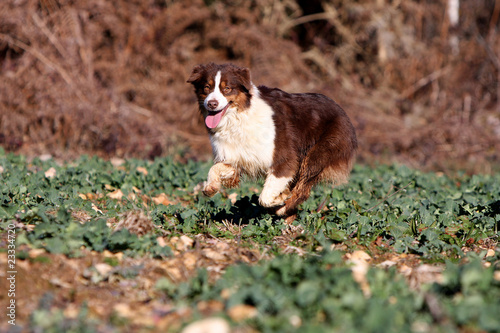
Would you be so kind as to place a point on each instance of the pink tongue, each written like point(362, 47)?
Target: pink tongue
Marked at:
point(213, 120)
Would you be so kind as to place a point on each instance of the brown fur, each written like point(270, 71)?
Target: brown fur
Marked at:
point(315, 141)
point(314, 138)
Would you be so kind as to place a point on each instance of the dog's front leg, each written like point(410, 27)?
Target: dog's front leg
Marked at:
point(220, 174)
point(275, 191)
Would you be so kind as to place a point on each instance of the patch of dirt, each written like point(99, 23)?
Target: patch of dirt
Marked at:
point(114, 285)
point(124, 290)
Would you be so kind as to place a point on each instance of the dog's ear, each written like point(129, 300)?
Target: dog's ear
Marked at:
point(244, 78)
point(196, 74)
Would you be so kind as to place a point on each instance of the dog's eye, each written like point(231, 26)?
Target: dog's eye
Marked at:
point(207, 88)
point(227, 90)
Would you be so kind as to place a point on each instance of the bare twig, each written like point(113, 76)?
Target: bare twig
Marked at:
point(46, 61)
point(424, 82)
point(140, 110)
point(52, 38)
point(331, 15)
point(305, 19)
point(495, 16)
point(493, 58)
point(491, 54)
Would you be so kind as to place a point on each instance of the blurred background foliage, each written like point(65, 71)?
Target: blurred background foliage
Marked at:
point(419, 78)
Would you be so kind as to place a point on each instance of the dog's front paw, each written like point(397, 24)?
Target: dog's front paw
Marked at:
point(210, 190)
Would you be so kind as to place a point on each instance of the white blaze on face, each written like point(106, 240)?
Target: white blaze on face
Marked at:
point(215, 114)
point(216, 95)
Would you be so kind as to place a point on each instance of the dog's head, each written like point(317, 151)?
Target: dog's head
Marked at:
point(221, 88)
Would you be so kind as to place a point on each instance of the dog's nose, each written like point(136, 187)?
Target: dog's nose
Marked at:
point(212, 104)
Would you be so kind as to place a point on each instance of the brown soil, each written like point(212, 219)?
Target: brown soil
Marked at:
point(114, 286)
point(108, 77)
point(124, 291)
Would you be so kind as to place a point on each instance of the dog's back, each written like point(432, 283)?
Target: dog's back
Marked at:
point(313, 126)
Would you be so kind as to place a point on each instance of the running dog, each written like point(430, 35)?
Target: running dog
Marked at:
point(294, 140)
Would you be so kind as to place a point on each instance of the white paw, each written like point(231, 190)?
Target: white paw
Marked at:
point(278, 200)
point(275, 191)
point(266, 200)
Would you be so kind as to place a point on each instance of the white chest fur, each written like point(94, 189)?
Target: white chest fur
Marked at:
point(245, 139)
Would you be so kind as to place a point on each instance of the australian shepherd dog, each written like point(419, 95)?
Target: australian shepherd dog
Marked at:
point(293, 140)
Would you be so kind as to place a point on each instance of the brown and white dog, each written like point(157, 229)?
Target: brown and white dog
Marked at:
point(294, 140)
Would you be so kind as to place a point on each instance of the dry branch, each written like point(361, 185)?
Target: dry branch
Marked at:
point(47, 62)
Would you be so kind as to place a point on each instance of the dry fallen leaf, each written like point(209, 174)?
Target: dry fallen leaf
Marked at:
point(210, 306)
point(123, 310)
point(360, 255)
point(36, 252)
point(211, 254)
point(50, 173)
point(405, 270)
point(360, 266)
point(387, 264)
point(162, 199)
point(190, 260)
point(103, 268)
point(116, 194)
point(115, 161)
point(71, 311)
point(233, 197)
point(222, 246)
point(172, 270)
point(186, 241)
point(161, 241)
point(295, 320)
point(57, 282)
point(142, 170)
point(209, 325)
point(242, 312)
point(181, 243)
point(226, 293)
point(93, 196)
point(97, 210)
point(425, 274)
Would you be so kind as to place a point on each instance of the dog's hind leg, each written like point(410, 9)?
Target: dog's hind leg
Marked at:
point(321, 161)
point(300, 193)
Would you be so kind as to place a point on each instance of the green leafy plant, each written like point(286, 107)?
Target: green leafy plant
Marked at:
point(389, 209)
